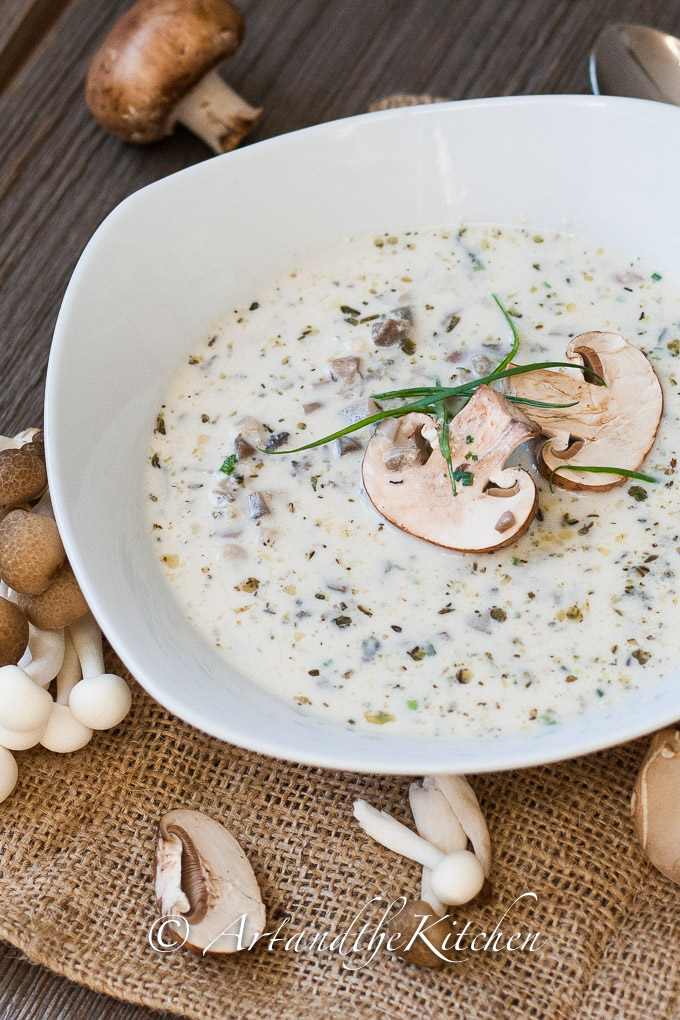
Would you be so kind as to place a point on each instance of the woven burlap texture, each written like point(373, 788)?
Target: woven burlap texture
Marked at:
point(76, 884)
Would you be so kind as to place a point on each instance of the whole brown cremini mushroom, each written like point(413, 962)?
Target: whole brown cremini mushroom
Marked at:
point(60, 605)
point(31, 551)
point(157, 67)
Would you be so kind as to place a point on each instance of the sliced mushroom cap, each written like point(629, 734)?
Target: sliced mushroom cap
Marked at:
point(13, 633)
point(407, 479)
point(203, 874)
point(60, 605)
point(655, 803)
point(31, 551)
point(611, 426)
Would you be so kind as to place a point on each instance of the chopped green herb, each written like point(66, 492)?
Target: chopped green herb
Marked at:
point(229, 463)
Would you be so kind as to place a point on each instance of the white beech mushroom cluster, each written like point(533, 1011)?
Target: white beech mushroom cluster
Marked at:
point(47, 632)
point(448, 819)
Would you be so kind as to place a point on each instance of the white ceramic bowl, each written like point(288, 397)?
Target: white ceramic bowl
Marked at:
point(168, 261)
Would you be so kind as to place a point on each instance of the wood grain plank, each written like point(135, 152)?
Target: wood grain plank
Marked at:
point(23, 23)
point(307, 61)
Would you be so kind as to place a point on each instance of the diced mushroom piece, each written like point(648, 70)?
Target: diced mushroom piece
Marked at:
point(611, 426)
point(23, 475)
point(346, 444)
point(275, 440)
point(360, 409)
point(203, 875)
point(418, 498)
point(258, 506)
point(13, 633)
point(345, 369)
point(157, 67)
point(31, 551)
point(252, 430)
point(313, 406)
point(242, 448)
point(59, 605)
point(393, 328)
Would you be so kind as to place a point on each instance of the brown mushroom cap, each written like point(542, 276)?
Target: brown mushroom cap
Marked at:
point(31, 551)
point(406, 475)
point(60, 605)
point(152, 57)
point(13, 633)
point(203, 874)
point(610, 426)
point(23, 475)
point(417, 949)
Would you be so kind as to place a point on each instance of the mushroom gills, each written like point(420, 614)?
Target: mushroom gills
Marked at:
point(203, 874)
point(420, 499)
point(611, 425)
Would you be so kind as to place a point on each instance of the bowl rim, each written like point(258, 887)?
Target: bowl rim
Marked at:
point(490, 757)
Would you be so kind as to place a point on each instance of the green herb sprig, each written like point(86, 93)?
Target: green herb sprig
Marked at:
point(434, 400)
point(597, 469)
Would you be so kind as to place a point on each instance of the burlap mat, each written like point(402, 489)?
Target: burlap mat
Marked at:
point(76, 884)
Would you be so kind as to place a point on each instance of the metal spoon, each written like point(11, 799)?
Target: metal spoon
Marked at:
point(636, 61)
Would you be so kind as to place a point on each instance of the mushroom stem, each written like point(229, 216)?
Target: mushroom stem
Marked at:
point(465, 806)
point(395, 836)
point(70, 673)
point(217, 114)
point(46, 648)
point(455, 877)
point(100, 700)
point(87, 638)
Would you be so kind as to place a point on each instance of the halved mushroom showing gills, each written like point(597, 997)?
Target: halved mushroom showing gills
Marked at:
point(407, 479)
point(611, 426)
point(203, 875)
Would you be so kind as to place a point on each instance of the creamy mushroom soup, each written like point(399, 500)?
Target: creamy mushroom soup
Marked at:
point(285, 566)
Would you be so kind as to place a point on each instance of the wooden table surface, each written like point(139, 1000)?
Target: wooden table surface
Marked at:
point(305, 61)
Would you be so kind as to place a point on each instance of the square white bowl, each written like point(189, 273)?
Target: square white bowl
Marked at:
point(169, 261)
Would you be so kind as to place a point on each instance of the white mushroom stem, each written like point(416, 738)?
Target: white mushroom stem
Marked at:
point(70, 673)
point(9, 773)
point(217, 114)
point(89, 647)
point(465, 806)
point(456, 877)
point(435, 822)
point(101, 700)
point(46, 650)
point(44, 505)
